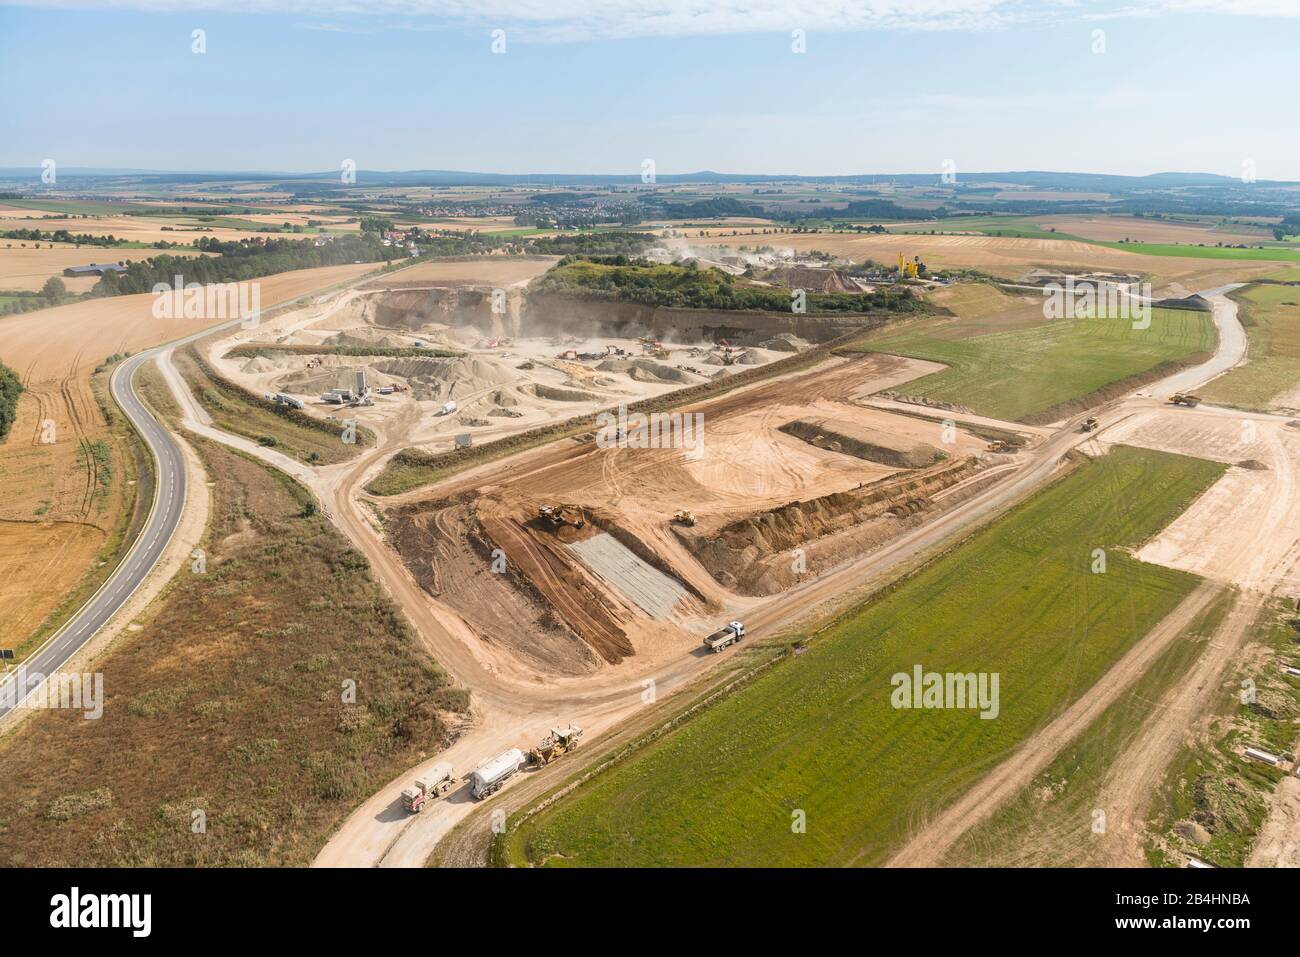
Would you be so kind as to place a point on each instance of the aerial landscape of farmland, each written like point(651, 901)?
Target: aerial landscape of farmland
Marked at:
point(637, 439)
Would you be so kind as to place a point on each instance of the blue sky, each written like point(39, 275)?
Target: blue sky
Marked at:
point(885, 86)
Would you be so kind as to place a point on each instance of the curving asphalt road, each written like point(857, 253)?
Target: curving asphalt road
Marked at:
point(164, 516)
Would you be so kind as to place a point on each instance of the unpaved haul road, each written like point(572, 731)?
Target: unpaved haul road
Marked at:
point(1129, 783)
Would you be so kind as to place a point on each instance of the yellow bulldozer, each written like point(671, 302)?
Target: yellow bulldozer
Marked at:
point(559, 742)
point(684, 517)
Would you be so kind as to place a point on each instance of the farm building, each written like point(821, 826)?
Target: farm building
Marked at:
point(98, 269)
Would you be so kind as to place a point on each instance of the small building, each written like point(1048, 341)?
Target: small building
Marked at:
point(96, 269)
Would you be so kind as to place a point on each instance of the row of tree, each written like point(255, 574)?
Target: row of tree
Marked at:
point(10, 389)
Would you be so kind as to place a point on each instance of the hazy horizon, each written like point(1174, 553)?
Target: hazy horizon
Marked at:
point(1125, 88)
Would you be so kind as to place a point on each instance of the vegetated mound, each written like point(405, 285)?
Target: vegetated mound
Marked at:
point(862, 442)
point(813, 279)
point(446, 378)
point(560, 395)
point(351, 339)
point(1255, 465)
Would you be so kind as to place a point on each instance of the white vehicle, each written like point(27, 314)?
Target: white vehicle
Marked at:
point(488, 778)
point(448, 408)
point(734, 631)
point(432, 785)
point(1259, 754)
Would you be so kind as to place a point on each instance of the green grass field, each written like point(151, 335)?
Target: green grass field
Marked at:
point(1206, 252)
point(1050, 822)
point(1271, 315)
point(818, 734)
point(1032, 371)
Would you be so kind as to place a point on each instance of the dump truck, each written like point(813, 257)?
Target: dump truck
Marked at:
point(487, 778)
point(562, 514)
point(720, 639)
point(684, 517)
point(428, 788)
point(1090, 424)
point(1185, 398)
point(559, 741)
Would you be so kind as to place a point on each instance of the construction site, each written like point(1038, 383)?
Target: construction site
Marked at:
point(589, 552)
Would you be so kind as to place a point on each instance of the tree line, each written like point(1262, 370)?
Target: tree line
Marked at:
point(10, 389)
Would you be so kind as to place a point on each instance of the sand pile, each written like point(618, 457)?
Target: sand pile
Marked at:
point(329, 376)
point(785, 342)
point(813, 279)
point(258, 364)
point(560, 395)
point(447, 378)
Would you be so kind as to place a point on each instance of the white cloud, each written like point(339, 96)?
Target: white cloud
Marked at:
point(571, 20)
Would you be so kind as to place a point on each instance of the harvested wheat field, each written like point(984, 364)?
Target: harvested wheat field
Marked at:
point(96, 329)
point(39, 563)
point(1112, 229)
point(28, 268)
point(65, 469)
point(141, 229)
point(470, 270)
point(1012, 258)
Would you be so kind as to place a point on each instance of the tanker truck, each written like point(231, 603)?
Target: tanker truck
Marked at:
point(488, 778)
point(432, 785)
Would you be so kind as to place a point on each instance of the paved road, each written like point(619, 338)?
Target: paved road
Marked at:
point(164, 516)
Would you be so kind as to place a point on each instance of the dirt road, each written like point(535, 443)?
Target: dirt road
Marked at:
point(1248, 553)
point(933, 840)
point(1133, 779)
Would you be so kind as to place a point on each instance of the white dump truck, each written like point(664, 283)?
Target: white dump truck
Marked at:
point(448, 408)
point(427, 788)
point(720, 639)
point(488, 778)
